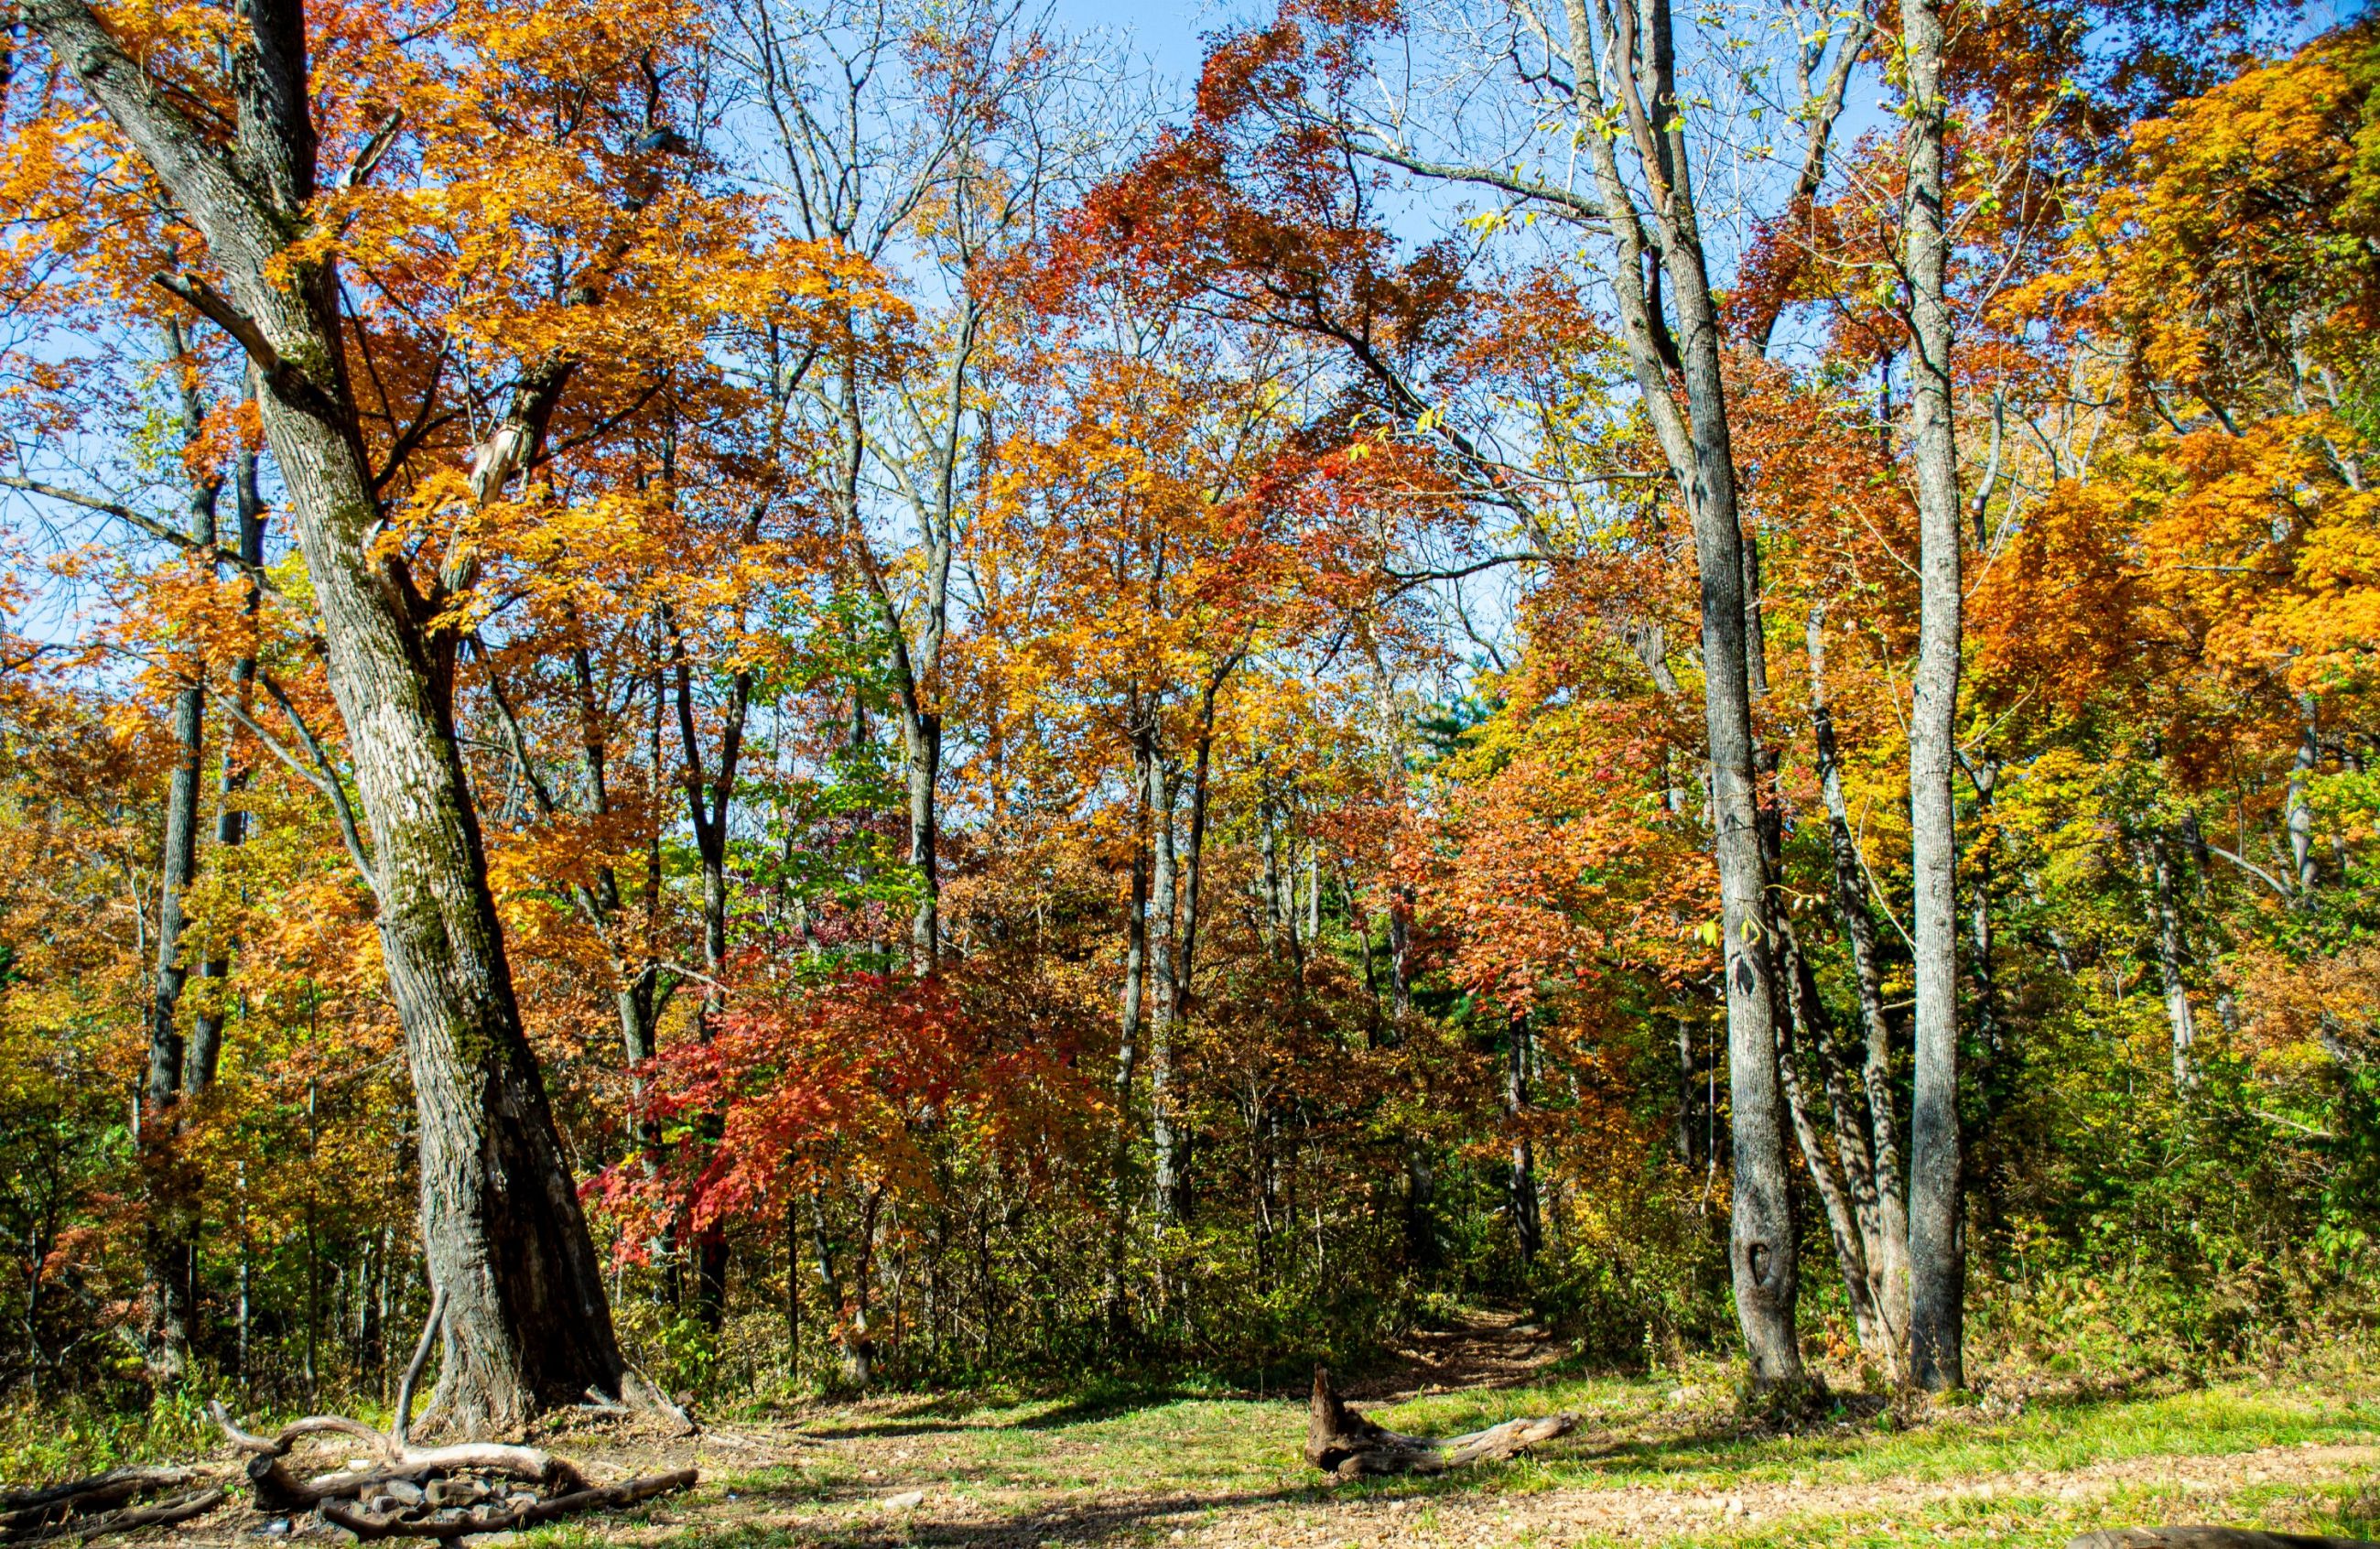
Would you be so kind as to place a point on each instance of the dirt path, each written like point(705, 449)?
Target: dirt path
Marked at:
point(1484, 1350)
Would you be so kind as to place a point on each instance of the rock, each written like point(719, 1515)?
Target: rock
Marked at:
point(403, 1490)
point(908, 1500)
point(455, 1492)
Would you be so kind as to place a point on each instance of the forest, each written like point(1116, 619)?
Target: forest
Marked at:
point(747, 708)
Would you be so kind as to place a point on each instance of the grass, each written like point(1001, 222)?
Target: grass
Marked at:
point(1657, 1461)
point(1654, 1461)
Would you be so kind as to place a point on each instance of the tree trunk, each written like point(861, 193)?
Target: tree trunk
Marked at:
point(921, 742)
point(2298, 811)
point(1136, 959)
point(1696, 443)
point(1888, 1247)
point(527, 1324)
point(205, 1049)
point(1842, 1226)
point(1521, 1193)
point(172, 1192)
point(1163, 991)
point(2169, 957)
point(1936, 1257)
point(708, 795)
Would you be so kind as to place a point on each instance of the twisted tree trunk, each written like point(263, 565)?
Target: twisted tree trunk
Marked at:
point(528, 1326)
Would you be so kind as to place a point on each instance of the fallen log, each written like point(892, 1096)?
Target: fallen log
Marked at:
point(448, 1525)
point(1342, 1442)
point(2209, 1538)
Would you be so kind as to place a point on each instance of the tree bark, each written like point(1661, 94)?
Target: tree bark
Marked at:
point(1163, 991)
point(1136, 961)
point(708, 795)
point(172, 1228)
point(1888, 1247)
point(1936, 1257)
point(204, 1052)
point(2298, 812)
point(527, 1325)
point(1521, 1191)
point(2179, 1021)
point(1695, 441)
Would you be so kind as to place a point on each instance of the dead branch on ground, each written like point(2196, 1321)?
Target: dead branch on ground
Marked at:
point(1342, 1442)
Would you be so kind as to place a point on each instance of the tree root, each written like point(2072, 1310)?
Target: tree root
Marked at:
point(449, 1523)
point(278, 1488)
point(88, 1508)
point(443, 1493)
point(1342, 1442)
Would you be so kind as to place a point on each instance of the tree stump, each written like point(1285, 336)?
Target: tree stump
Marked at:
point(1342, 1442)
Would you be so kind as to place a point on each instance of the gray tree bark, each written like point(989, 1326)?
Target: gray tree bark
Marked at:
point(1163, 990)
point(2183, 1027)
point(1937, 1276)
point(172, 1229)
point(1695, 440)
point(2298, 812)
point(1888, 1244)
point(527, 1324)
point(204, 1052)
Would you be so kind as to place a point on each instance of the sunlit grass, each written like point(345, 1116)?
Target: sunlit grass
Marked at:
point(1665, 1456)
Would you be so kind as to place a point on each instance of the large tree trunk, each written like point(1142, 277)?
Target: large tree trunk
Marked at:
point(527, 1324)
point(1936, 1254)
point(1696, 443)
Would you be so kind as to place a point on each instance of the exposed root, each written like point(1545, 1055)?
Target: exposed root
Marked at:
point(453, 1522)
point(1342, 1442)
point(443, 1493)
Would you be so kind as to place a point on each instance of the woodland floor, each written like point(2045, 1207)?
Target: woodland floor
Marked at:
point(1653, 1462)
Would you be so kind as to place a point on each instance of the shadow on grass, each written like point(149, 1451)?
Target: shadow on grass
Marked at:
point(958, 1414)
point(1092, 1522)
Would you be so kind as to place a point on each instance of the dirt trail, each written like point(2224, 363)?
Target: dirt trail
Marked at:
point(1484, 1350)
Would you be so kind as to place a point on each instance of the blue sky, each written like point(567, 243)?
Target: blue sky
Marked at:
point(1164, 33)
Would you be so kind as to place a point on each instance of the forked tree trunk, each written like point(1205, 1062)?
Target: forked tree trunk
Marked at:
point(1937, 1267)
point(1696, 443)
point(526, 1323)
